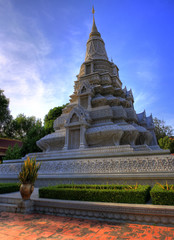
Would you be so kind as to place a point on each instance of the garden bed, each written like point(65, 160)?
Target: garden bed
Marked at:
point(9, 187)
point(98, 193)
point(162, 194)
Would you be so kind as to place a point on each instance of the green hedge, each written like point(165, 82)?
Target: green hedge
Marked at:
point(97, 193)
point(162, 196)
point(9, 187)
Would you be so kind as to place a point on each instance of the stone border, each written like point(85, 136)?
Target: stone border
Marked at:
point(114, 212)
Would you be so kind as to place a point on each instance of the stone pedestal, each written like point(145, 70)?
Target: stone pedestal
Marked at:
point(114, 164)
point(25, 206)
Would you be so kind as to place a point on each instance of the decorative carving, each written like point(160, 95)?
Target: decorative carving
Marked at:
point(104, 135)
point(60, 122)
point(139, 164)
point(95, 49)
point(101, 113)
point(83, 90)
point(74, 118)
point(80, 113)
point(52, 142)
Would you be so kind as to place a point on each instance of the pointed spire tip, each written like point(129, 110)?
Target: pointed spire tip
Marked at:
point(94, 31)
point(93, 11)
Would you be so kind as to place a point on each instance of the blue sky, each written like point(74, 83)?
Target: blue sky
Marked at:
point(43, 44)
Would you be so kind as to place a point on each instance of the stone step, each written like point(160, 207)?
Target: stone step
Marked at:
point(15, 205)
point(142, 148)
point(9, 200)
point(7, 207)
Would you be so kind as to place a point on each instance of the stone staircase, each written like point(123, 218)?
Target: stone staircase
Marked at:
point(9, 204)
point(142, 148)
point(12, 202)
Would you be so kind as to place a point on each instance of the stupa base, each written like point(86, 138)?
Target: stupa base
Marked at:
point(119, 164)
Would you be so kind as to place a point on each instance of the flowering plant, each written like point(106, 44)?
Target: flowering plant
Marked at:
point(29, 171)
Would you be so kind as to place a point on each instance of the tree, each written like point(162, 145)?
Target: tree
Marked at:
point(19, 127)
point(51, 116)
point(161, 130)
point(35, 133)
point(167, 143)
point(13, 152)
point(5, 117)
point(27, 129)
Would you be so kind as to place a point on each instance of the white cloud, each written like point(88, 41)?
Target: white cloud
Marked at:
point(26, 68)
point(143, 100)
point(170, 122)
point(168, 118)
point(140, 72)
point(3, 61)
point(147, 76)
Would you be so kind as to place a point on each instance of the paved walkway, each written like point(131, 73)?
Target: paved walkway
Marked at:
point(16, 226)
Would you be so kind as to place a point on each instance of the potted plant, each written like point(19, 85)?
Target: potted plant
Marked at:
point(27, 177)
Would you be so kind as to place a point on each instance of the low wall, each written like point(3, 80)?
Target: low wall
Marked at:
point(107, 211)
point(97, 167)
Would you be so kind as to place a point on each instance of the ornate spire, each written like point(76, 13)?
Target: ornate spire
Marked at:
point(93, 11)
point(95, 45)
point(94, 31)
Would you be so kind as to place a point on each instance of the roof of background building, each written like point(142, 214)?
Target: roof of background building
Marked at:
point(6, 142)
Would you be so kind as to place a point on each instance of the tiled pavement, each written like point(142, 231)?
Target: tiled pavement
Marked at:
point(14, 226)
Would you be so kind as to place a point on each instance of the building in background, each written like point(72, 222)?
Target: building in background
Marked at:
point(5, 143)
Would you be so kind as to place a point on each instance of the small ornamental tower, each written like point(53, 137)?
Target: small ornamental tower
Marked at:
point(100, 112)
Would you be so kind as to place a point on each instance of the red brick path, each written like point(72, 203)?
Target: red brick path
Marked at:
point(38, 226)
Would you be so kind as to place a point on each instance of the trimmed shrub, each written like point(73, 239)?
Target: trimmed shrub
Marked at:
point(97, 193)
point(9, 187)
point(162, 196)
